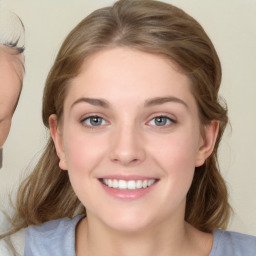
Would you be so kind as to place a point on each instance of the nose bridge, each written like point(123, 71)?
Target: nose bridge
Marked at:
point(127, 145)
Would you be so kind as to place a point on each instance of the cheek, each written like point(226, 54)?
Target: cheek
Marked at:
point(83, 152)
point(177, 150)
point(178, 161)
point(176, 156)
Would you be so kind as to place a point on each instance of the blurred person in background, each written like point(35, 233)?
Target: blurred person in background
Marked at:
point(11, 69)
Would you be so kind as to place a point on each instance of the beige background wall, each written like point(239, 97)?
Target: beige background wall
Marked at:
point(232, 26)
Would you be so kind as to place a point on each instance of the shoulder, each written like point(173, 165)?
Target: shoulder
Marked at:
point(56, 237)
point(233, 243)
point(54, 227)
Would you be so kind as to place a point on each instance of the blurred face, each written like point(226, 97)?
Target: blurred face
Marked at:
point(11, 75)
point(130, 139)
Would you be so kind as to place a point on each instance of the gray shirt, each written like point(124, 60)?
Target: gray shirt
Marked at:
point(57, 238)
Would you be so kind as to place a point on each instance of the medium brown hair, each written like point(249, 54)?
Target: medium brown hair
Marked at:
point(153, 27)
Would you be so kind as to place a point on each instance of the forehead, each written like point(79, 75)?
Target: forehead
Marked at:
point(118, 68)
point(128, 66)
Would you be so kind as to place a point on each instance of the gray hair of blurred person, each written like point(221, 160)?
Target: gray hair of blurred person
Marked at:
point(12, 31)
point(12, 41)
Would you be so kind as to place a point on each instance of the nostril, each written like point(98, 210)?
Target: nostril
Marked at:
point(126, 161)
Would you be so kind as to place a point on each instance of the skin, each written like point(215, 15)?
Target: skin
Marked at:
point(11, 76)
point(128, 142)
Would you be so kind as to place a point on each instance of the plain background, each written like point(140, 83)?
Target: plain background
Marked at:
point(231, 25)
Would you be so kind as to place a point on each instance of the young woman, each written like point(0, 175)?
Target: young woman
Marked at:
point(132, 107)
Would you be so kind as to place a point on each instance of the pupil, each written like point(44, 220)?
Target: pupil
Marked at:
point(160, 120)
point(95, 120)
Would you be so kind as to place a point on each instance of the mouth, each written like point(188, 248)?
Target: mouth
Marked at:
point(128, 184)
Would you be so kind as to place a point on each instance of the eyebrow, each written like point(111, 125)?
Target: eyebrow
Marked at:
point(92, 101)
point(148, 103)
point(162, 100)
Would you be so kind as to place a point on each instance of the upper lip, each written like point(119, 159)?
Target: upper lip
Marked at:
point(128, 177)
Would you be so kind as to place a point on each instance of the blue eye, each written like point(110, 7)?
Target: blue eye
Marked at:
point(94, 121)
point(161, 121)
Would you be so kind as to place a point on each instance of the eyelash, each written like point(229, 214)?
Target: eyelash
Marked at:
point(168, 121)
point(90, 118)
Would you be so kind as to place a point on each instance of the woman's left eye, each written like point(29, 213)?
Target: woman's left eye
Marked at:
point(161, 121)
point(94, 121)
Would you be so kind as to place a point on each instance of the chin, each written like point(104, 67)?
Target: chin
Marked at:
point(129, 223)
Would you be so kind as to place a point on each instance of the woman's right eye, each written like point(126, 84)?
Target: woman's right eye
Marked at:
point(94, 121)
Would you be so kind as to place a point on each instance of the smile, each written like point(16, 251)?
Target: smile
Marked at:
point(130, 184)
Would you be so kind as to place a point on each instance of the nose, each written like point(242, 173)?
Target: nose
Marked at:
point(127, 146)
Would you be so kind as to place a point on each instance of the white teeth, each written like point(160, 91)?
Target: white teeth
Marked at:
point(139, 184)
point(131, 184)
point(122, 184)
point(150, 182)
point(115, 184)
point(110, 183)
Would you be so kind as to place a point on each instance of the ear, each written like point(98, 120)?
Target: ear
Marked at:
point(207, 142)
point(58, 142)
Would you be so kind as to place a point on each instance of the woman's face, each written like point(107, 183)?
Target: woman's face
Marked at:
point(11, 75)
point(130, 139)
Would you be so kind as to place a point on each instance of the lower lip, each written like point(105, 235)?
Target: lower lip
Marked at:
point(127, 194)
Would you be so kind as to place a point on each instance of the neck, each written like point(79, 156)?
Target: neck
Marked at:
point(166, 239)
